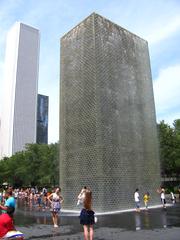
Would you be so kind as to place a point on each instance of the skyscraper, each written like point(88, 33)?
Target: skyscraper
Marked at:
point(19, 116)
point(42, 119)
point(108, 136)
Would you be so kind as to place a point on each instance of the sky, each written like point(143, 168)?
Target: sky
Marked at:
point(157, 21)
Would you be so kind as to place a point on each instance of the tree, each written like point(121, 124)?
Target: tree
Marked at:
point(36, 165)
point(169, 139)
point(176, 125)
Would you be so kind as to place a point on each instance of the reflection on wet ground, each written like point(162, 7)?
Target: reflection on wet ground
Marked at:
point(37, 224)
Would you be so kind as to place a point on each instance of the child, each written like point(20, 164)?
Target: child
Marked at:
point(87, 216)
point(146, 199)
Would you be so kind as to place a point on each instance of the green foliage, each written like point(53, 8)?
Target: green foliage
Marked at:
point(37, 165)
point(169, 138)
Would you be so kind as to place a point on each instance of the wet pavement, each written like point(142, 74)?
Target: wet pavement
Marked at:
point(154, 224)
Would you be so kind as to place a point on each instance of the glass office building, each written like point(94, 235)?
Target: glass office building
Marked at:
point(42, 119)
point(19, 114)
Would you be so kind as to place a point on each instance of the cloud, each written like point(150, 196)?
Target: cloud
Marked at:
point(166, 92)
point(7, 9)
point(169, 119)
point(1, 81)
point(153, 21)
point(53, 128)
point(49, 85)
point(163, 32)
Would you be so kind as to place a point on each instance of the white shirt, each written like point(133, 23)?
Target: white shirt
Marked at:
point(162, 195)
point(136, 197)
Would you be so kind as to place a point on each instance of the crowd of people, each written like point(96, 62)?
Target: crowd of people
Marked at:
point(42, 199)
point(52, 201)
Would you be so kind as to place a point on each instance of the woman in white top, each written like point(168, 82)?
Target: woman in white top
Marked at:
point(55, 199)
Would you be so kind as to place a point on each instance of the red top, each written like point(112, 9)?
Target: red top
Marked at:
point(6, 224)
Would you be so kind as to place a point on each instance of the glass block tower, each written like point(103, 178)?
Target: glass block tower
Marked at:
point(108, 136)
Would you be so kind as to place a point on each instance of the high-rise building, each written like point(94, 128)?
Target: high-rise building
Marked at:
point(19, 116)
point(42, 119)
point(108, 135)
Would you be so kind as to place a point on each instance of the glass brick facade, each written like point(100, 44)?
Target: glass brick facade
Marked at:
point(108, 135)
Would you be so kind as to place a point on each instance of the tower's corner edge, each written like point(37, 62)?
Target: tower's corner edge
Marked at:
point(89, 16)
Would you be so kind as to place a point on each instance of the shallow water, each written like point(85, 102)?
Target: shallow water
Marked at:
point(37, 223)
point(150, 219)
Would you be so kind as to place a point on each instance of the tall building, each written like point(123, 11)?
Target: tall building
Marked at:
point(19, 116)
point(108, 135)
point(42, 119)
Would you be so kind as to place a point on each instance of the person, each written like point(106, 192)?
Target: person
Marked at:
point(173, 198)
point(39, 199)
point(146, 199)
point(6, 222)
point(136, 199)
point(81, 196)
point(163, 198)
point(44, 191)
point(87, 216)
point(56, 200)
point(1, 197)
point(9, 202)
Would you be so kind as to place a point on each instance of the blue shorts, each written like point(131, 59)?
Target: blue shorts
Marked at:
point(137, 204)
